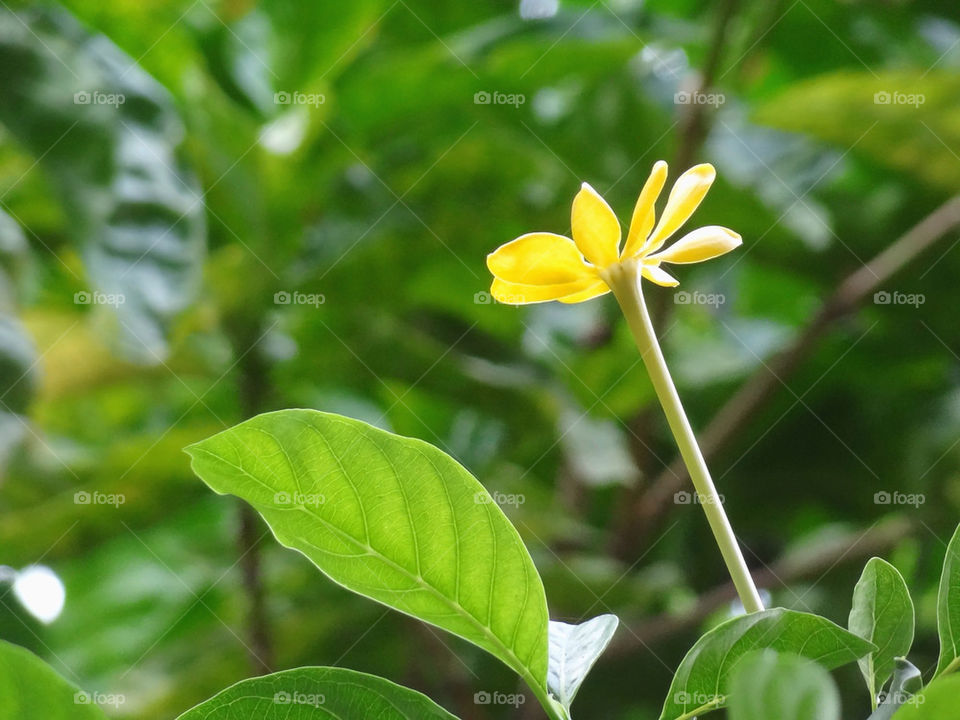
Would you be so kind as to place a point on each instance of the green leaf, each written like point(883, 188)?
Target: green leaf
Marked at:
point(317, 693)
point(701, 683)
point(785, 686)
point(937, 702)
point(907, 682)
point(948, 608)
point(391, 518)
point(573, 651)
point(882, 613)
point(109, 135)
point(31, 690)
point(904, 119)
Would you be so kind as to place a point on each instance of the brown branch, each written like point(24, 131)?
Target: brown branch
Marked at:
point(790, 568)
point(645, 511)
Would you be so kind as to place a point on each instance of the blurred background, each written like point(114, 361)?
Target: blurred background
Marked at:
point(213, 209)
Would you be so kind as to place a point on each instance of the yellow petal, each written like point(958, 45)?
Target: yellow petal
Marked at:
point(538, 259)
point(520, 294)
point(645, 212)
point(596, 230)
point(595, 290)
point(702, 244)
point(656, 275)
point(687, 192)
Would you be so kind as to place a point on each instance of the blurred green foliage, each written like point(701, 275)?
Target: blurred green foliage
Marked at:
point(378, 189)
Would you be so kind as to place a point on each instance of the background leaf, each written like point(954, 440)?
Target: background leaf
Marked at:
point(573, 651)
point(768, 684)
point(882, 613)
point(703, 678)
point(31, 690)
point(317, 693)
point(391, 518)
point(109, 135)
point(948, 608)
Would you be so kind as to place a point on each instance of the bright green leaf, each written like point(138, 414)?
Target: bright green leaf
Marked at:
point(573, 651)
point(317, 693)
point(768, 684)
point(391, 518)
point(948, 608)
point(701, 683)
point(882, 613)
point(31, 690)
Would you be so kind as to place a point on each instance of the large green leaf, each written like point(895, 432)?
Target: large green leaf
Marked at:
point(701, 683)
point(317, 693)
point(573, 651)
point(785, 686)
point(882, 613)
point(948, 608)
point(937, 702)
point(31, 690)
point(109, 135)
point(391, 518)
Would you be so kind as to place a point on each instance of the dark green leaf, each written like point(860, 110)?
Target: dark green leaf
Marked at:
point(948, 608)
point(701, 683)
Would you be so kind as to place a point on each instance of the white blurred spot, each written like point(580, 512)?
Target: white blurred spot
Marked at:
point(284, 135)
point(41, 592)
point(538, 9)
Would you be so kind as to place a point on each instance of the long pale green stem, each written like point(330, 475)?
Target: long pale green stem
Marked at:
point(624, 280)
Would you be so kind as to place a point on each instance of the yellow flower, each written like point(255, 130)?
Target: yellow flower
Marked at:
point(542, 266)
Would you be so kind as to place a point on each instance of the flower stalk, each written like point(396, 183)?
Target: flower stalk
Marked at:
point(624, 279)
